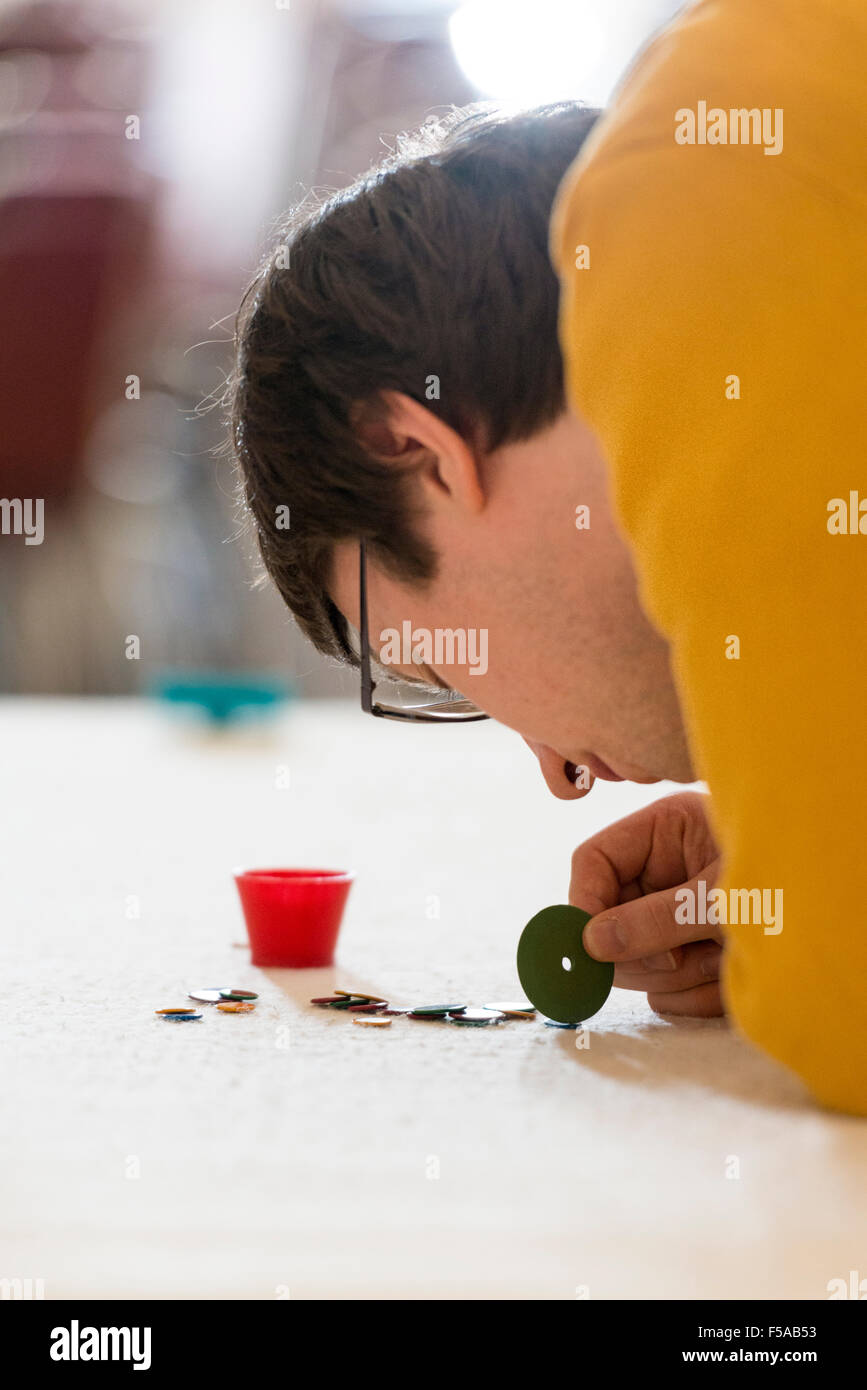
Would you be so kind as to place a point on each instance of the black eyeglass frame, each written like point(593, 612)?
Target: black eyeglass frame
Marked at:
point(368, 684)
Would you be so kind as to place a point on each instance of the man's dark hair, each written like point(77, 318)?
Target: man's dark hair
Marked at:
point(434, 263)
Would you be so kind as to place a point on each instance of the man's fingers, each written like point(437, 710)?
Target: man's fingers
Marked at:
point(681, 969)
point(646, 927)
point(652, 849)
point(705, 1001)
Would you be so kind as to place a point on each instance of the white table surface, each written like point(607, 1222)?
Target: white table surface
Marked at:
point(290, 1153)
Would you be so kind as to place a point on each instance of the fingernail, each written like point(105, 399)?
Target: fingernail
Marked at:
point(665, 961)
point(604, 938)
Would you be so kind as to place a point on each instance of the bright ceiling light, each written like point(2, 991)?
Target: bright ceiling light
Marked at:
point(549, 50)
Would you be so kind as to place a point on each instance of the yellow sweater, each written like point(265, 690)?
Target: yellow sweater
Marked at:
point(717, 344)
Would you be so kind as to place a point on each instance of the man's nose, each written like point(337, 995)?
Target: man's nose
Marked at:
point(558, 772)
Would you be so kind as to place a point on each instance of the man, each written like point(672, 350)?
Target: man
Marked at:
point(646, 539)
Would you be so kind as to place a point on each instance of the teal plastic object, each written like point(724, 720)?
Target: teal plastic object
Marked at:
point(556, 973)
point(223, 697)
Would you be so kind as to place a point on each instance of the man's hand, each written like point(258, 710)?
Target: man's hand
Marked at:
point(627, 876)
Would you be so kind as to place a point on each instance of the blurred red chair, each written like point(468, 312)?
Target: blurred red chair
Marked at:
point(75, 226)
point(63, 262)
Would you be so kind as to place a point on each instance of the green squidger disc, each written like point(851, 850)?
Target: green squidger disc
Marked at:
point(555, 971)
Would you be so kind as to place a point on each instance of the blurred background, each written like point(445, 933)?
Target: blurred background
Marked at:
point(147, 150)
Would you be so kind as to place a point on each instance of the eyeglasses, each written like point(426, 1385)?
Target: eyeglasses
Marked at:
point(409, 701)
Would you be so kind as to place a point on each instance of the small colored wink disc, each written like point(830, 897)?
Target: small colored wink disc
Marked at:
point(556, 973)
point(181, 1018)
point(374, 1022)
point(238, 994)
point(517, 1010)
point(477, 1017)
point(436, 1010)
point(236, 1008)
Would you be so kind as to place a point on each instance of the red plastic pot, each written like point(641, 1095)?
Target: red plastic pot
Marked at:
point(293, 916)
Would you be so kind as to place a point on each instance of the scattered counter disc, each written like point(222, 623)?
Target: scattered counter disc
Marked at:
point(522, 1010)
point(477, 1017)
point(556, 973)
point(373, 1022)
point(207, 996)
point(236, 1007)
point(181, 1018)
point(436, 1010)
point(238, 994)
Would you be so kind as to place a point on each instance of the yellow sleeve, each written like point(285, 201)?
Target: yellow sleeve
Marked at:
point(714, 338)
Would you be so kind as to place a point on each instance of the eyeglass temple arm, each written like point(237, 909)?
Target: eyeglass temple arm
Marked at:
point(367, 682)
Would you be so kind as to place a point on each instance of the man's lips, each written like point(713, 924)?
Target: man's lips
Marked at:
point(601, 770)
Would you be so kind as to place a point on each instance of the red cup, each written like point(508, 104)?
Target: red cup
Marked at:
point(293, 916)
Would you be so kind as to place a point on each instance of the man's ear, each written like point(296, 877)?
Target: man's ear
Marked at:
point(397, 428)
point(381, 427)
